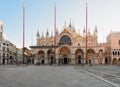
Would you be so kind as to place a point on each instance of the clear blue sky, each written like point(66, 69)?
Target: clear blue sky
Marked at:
point(39, 15)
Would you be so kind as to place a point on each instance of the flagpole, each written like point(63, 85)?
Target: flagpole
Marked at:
point(55, 28)
point(86, 27)
point(23, 31)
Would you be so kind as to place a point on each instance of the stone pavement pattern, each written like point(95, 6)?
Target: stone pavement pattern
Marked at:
point(109, 73)
point(48, 76)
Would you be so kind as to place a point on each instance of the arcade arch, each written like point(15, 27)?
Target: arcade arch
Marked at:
point(79, 55)
point(41, 56)
point(119, 61)
point(114, 61)
point(51, 56)
point(90, 55)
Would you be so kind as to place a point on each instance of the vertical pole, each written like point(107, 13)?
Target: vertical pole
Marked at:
point(23, 31)
point(86, 28)
point(55, 28)
point(1, 38)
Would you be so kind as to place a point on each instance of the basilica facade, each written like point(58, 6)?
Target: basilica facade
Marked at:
point(70, 48)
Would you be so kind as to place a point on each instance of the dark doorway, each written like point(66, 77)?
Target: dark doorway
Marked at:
point(3, 61)
point(79, 59)
point(106, 61)
point(65, 60)
point(43, 61)
point(51, 59)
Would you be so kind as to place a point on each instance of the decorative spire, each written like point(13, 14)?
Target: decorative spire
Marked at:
point(96, 28)
point(96, 31)
point(84, 30)
point(38, 34)
point(70, 25)
point(42, 35)
point(47, 33)
point(56, 31)
point(89, 32)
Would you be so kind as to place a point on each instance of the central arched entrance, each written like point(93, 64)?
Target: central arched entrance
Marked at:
point(64, 53)
point(79, 55)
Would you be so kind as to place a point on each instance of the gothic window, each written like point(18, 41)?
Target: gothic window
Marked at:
point(65, 40)
point(113, 53)
point(118, 53)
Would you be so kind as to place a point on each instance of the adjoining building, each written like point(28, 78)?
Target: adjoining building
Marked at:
point(70, 48)
point(27, 56)
point(7, 49)
point(113, 40)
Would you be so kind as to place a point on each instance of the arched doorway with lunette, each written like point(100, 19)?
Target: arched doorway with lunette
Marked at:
point(64, 55)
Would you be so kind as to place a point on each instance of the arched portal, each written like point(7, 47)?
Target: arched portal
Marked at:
point(51, 56)
point(100, 59)
point(79, 55)
point(114, 61)
point(41, 56)
point(90, 56)
point(64, 53)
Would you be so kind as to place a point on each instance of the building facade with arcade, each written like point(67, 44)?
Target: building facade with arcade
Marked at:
point(70, 48)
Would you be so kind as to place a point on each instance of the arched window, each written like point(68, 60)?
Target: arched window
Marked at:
point(113, 53)
point(118, 53)
point(65, 40)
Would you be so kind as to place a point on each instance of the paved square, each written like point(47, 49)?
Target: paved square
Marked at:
point(48, 76)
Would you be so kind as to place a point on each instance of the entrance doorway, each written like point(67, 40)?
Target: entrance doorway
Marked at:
point(65, 61)
point(52, 60)
point(3, 61)
point(43, 61)
point(79, 59)
point(106, 60)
